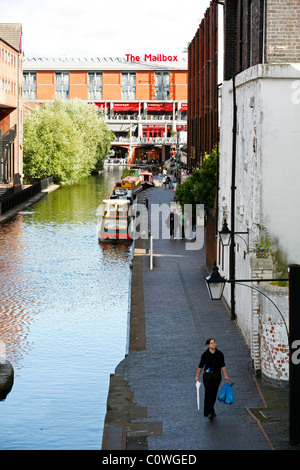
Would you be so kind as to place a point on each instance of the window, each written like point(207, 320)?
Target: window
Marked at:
point(162, 85)
point(128, 86)
point(62, 84)
point(95, 85)
point(29, 85)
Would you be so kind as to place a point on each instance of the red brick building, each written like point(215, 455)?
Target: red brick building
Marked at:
point(144, 102)
point(11, 91)
point(203, 89)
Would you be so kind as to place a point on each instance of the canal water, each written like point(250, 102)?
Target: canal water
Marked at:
point(63, 319)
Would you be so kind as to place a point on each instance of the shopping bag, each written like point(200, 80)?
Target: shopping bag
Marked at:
point(226, 394)
point(198, 393)
point(222, 394)
point(229, 400)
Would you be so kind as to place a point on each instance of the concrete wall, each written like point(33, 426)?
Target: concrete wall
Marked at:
point(267, 169)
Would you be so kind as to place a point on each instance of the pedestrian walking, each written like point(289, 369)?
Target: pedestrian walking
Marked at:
point(188, 233)
point(173, 223)
point(168, 181)
point(164, 182)
point(175, 181)
point(212, 361)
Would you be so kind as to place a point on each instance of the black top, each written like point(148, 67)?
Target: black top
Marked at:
point(213, 361)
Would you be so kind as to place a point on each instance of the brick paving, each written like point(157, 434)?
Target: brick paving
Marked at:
point(171, 317)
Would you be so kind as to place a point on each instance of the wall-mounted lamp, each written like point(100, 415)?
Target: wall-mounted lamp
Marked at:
point(226, 235)
point(215, 283)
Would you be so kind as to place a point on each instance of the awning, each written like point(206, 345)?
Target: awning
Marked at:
point(102, 105)
point(125, 106)
point(159, 106)
point(183, 106)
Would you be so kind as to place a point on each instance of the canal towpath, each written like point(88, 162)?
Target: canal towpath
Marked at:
point(151, 401)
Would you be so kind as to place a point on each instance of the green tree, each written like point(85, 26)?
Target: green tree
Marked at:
point(65, 139)
point(200, 187)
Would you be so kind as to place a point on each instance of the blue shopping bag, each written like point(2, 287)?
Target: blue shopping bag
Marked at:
point(226, 394)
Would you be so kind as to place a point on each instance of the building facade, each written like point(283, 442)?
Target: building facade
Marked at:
point(144, 103)
point(203, 89)
point(259, 166)
point(11, 91)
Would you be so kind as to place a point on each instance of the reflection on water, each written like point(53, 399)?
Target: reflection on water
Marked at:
point(63, 318)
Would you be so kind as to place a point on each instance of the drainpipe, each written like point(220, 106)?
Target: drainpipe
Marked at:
point(218, 162)
point(18, 111)
point(264, 33)
point(233, 189)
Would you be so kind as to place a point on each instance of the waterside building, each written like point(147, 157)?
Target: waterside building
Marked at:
point(144, 102)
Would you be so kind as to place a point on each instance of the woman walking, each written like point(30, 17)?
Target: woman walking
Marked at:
point(212, 361)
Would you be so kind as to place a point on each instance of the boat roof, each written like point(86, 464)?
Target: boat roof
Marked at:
point(130, 178)
point(116, 201)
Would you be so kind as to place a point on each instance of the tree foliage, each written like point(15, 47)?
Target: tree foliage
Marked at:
point(200, 187)
point(65, 139)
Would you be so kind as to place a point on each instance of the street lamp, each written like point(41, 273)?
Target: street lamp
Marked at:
point(226, 234)
point(215, 283)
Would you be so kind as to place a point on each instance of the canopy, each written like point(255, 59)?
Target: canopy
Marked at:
point(159, 106)
point(125, 106)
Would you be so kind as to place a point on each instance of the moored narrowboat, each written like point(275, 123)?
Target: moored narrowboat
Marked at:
point(146, 178)
point(116, 223)
point(133, 183)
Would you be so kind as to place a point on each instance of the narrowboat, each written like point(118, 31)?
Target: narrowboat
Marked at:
point(116, 222)
point(133, 183)
point(146, 178)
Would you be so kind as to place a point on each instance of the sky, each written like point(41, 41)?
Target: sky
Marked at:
point(104, 28)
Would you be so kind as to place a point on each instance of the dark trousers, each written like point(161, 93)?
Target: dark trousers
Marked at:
point(171, 229)
point(211, 384)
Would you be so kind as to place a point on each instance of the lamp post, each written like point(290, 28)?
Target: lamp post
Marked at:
point(215, 284)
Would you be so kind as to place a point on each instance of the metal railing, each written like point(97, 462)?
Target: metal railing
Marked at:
point(136, 118)
point(146, 140)
point(23, 195)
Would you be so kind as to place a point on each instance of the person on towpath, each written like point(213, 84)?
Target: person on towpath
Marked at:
point(212, 361)
point(173, 222)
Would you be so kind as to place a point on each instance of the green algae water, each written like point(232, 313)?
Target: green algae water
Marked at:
point(63, 318)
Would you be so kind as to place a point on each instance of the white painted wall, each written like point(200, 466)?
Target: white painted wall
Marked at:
point(267, 168)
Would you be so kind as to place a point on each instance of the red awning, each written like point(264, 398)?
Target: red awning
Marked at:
point(102, 105)
point(125, 107)
point(183, 107)
point(160, 107)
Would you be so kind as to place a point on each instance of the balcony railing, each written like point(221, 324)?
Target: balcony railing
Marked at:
point(145, 140)
point(130, 117)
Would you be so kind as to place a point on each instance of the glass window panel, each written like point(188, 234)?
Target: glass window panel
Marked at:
point(95, 85)
point(162, 85)
point(62, 78)
point(62, 91)
point(29, 78)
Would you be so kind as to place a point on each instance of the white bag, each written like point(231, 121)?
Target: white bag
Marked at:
point(198, 393)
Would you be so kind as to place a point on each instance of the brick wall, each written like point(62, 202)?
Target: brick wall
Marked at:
point(202, 89)
point(282, 31)
point(211, 239)
point(243, 35)
point(257, 31)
